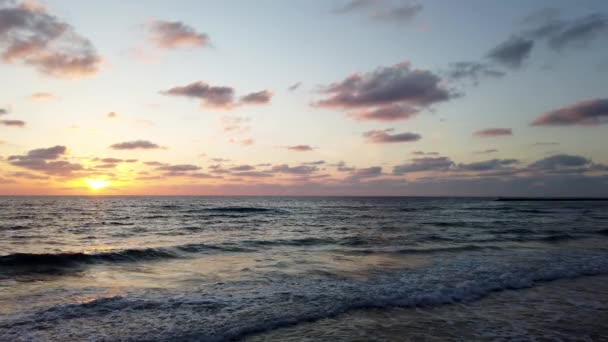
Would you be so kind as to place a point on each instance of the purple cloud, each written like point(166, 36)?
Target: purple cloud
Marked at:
point(512, 52)
point(384, 136)
point(493, 132)
point(424, 164)
point(586, 113)
point(300, 148)
point(136, 144)
point(13, 123)
point(260, 97)
point(176, 34)
point(38, 39)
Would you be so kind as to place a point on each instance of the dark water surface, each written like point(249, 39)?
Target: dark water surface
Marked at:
point(218, 268)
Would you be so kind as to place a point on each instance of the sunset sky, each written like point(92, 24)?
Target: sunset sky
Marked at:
point(362, 97)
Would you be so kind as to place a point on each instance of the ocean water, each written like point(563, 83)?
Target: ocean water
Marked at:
point(289, 269)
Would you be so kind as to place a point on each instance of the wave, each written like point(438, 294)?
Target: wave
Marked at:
point(234, 310)
point(51, 262)
point(427, 250)
point(243, 210)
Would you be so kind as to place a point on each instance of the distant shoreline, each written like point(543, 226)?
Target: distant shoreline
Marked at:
point(550, 199)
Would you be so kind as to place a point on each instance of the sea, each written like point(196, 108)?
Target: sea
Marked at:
point(302, 269)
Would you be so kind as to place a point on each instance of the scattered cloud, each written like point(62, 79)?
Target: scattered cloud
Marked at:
point(179, 168)
point(298, 170)
point(384, 136)
point(512, 52)
point(368, 172)
point(489, 151)
point(493, 132)
point(13, 123)
point(382, 11)
point(136, 144)
point(211, 96)
point(560, 161)
point(543, 143)
point(45, 160)
point(562, 33)
point(176, 34)
point(473, 71)
point(422, 153)
point(27, 175)
point(387, 93)
point(43, 96)
point(242, 168)
point(300, 148)
point(31, 35)
point(389, 113)
point(384, 86)
point(318, 162)
point(487, 165)
point(294, 86)
point(586, 113)
point(424, 164)
point(260, 97)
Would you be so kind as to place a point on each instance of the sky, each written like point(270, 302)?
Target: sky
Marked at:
point(353, 97)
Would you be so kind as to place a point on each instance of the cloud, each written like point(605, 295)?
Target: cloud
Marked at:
point(211, 96)
point(252, 174)
point(368, 172)
point(382, 11)
point(242, 168)
point(389, 113)
point(111, 160)
point(560, 161)
point(298, 170)
point(399, 14)
point(218, 97)
point(473, 71)
point(422, 153)
point(294, 86)
point(154, 163)
point(31, 35)
point(136, 144)
point(235, 124)
point(45, 160)
point(27, 175)
point(397, 84)
point(176, 34)
point(512, 52)
point(247, 142)
point(576, 33)
point(488, 165)
point(492, 150)
point(586, 113)
point(341, 166)
point(384, 136)
point(112, 115)
point(542, 143)
point(493, 132)
point(300, 148)
point(43, 96)
point(260, 97)
point(318, 162)
point(424, 164)
point(14, 123)
point(179, 168)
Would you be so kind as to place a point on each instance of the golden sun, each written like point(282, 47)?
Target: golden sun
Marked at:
point(97, 184)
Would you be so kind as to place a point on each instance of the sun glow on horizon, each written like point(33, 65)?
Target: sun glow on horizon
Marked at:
point(98, 184)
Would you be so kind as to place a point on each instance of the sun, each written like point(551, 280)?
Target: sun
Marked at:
point(97, 184)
